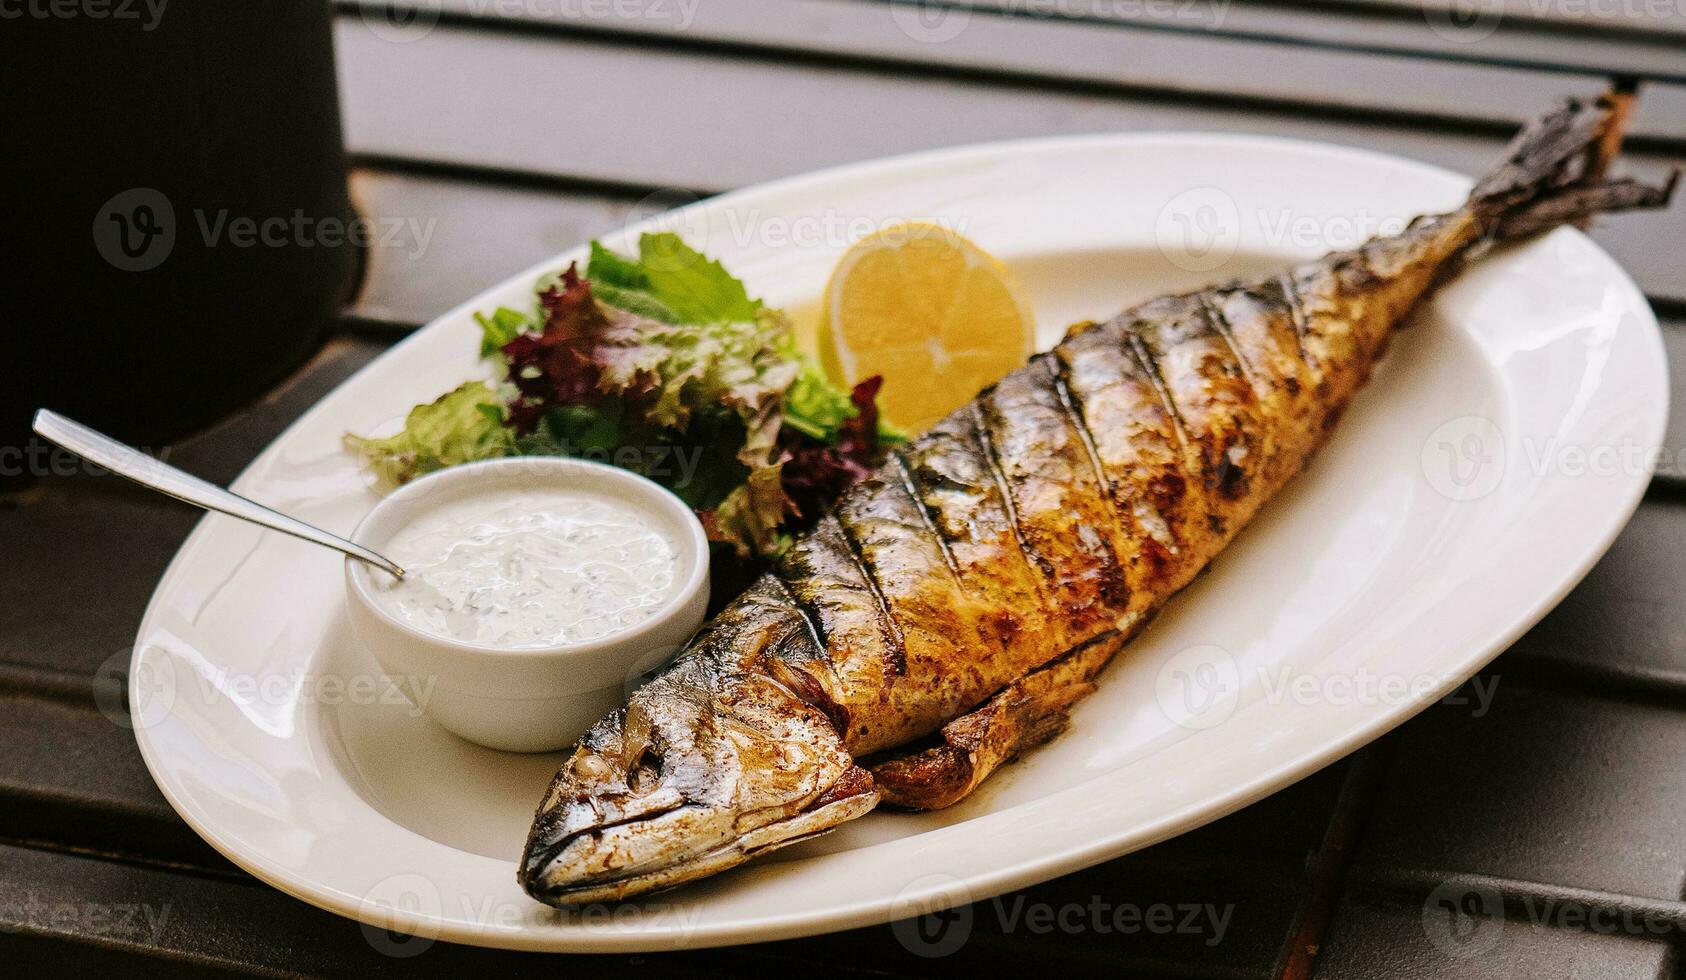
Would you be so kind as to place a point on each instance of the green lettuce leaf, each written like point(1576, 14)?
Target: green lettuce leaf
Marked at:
point(669, 372)
point(752, 514)
point(669, 281)
point(459, 427)
point(503, 326)
point(661, 363)
point(814, 406)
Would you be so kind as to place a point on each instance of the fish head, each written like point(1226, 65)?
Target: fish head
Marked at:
point(703, 769)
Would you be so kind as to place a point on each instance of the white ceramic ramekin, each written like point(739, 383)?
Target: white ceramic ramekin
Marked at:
point(529, 699)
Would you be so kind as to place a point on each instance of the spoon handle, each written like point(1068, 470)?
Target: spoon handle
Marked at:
point(158, 475)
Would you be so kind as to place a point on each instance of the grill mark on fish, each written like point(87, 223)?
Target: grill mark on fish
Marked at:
point(1133, 441)
point(802, 685)
point(1074, 414)
point(1148, 366)
point(1296, 315)
point(1150, 369)
point(907, 484)
point(816, 631)
point(1261, 318)
point(1214, 400)
point(1059, 507)
point(986, 444)
point(729, 751)
point(1221, 326)
point(895, 642)
point(951, 476)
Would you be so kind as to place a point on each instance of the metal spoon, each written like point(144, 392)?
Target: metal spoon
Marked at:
point(149, 472)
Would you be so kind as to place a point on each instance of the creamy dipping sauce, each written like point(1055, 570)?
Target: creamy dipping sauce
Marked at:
point(530, 568)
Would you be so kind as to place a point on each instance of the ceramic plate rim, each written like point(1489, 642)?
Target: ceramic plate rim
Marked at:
point(980, 884)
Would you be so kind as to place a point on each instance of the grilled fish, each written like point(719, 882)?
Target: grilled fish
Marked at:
point(954, 605)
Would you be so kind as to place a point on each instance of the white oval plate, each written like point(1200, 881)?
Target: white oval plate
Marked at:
point(1501, 447)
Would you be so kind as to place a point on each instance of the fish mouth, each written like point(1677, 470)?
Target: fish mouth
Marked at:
point(705, 767)
point(668, 841)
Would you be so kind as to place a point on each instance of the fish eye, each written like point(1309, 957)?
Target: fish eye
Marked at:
point(592, 767)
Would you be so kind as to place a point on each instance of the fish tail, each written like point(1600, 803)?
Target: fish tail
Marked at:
point(1554, 172)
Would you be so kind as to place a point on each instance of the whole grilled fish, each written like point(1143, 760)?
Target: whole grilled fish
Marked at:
point(955, 604)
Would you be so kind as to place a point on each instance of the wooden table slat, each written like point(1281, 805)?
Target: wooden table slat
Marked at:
point(712, 136)
point(1072, 55)
point(1228, 890)
point(1377, 938)
point(1471, 35)
point(1640, 17)
point(461, 237)
point(1552, 786)
point(507, 132)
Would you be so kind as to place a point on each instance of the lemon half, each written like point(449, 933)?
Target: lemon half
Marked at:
point(933, 313)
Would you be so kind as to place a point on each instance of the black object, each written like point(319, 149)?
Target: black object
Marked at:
point(179, 234)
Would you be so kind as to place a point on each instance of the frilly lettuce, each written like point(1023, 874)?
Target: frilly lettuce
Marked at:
point(649, 359)
point(460, 426)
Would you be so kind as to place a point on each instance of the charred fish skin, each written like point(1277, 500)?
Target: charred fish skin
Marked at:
point(712, 762)
point(955, 604)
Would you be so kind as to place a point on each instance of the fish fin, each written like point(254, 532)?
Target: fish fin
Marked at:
point(1023, 715)
point(1554, 172)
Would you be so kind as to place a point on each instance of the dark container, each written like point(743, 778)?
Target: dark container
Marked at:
point(177, 233)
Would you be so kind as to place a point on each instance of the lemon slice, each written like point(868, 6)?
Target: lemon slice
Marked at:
point(933, 313)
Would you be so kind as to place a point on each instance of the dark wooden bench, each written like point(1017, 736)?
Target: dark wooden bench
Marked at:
point(1561, 809)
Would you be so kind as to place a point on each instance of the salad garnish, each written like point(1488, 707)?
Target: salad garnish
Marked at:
point(661, 363)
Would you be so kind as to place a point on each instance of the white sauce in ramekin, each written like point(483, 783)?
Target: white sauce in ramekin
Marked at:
point(530, 568)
